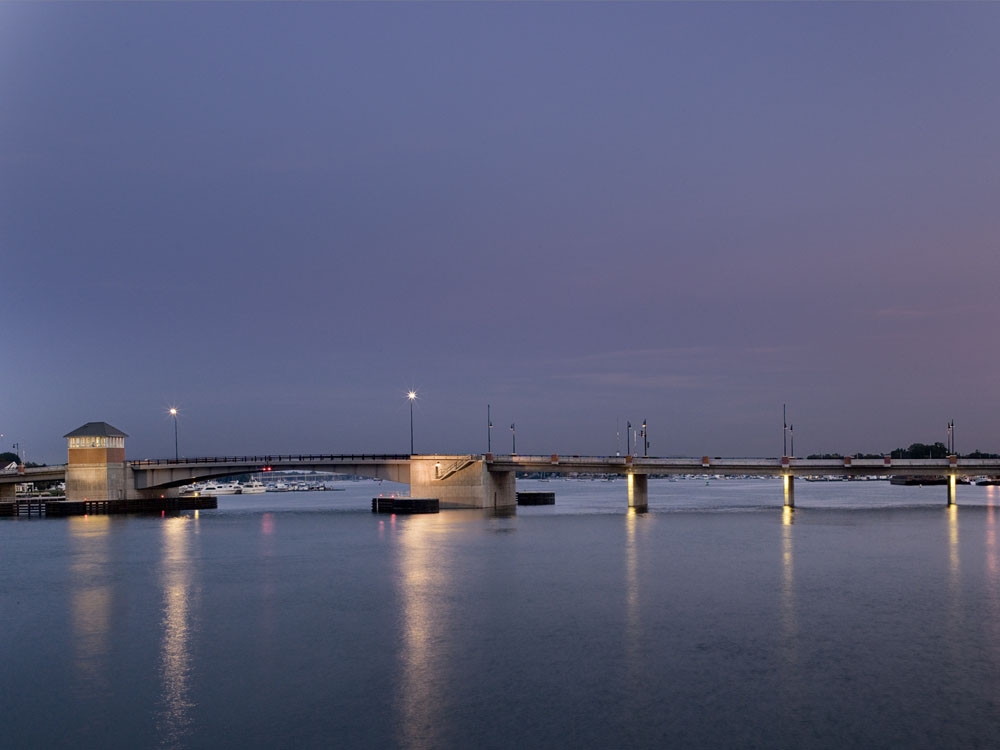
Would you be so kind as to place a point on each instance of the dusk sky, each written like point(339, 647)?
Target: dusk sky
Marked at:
point(281, 217)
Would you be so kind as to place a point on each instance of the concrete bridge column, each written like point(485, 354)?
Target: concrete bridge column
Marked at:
point(952, 482)
point(8, 493)
point(462, 482)
point(638, 491)
point(789, 487)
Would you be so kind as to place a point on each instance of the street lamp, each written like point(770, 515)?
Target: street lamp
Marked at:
point(784, 431)
point(173, 413)
point(412, 395)
point(513, 439)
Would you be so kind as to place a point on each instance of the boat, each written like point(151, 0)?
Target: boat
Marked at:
point(213, 488)
point(253, 487)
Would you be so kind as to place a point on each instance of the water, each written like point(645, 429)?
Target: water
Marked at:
point(869, 617)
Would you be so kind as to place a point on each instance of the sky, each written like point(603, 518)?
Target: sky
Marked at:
point(281, 217)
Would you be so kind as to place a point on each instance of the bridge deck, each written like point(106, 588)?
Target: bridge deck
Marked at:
point(177, 469)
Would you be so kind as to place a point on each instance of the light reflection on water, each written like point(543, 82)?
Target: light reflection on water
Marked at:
point(633, 624)
point(91, 605)
point(174, 717)
point(789, 618)
point(421, 577)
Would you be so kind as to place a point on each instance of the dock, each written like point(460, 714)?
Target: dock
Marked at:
point(55, 508)
point(405, 505)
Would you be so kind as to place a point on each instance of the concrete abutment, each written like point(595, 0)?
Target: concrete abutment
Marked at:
point(466, 482)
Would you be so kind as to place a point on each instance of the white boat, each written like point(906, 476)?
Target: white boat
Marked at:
point(253, 487)
point(213, 489)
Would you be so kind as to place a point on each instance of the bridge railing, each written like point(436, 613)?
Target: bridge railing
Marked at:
point(272, 459)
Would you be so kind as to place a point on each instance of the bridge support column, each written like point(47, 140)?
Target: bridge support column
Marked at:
point(8, 493)
point(638, 491)
point(461, 482)
point(952, 482)
point(789, 487)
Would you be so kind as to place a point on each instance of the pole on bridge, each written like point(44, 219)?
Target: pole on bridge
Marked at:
point(784, 431)
point(489, 430)
point(412, 395)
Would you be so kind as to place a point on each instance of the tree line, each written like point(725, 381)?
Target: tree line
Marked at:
point(916, 450)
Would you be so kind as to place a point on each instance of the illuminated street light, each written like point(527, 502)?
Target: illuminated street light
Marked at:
point(173, 413)
point(412, 395)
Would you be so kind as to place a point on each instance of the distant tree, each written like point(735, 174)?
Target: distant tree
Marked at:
point(825, 455)
point(6, 458)
point(979, 454)
point(921, 450)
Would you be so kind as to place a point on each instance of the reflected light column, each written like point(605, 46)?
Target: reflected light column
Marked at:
point(955, 615)
point(789, 617)
point(91, 603)
point(422, 592)
point(174, 719)
point(632, 620)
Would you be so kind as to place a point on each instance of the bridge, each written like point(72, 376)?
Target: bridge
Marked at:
point(470, 480)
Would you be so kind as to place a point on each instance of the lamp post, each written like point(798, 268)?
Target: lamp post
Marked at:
point(784, 431)
point(645, 442)
point(412, 395)
point(628, 438)
point(489, 430)
point(513, 440)
point(173, 413)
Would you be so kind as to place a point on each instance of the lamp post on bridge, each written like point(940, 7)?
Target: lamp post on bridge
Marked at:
point(513, 439)
point(784, 431)
point(489, 430)
point(412, 395)
point(173, 413)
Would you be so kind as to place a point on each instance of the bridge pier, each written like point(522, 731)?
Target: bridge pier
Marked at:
point(952, 482)
point(638, 491)
point(463, 482)
point(789, 488)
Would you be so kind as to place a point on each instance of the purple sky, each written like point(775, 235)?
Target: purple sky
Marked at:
point(281, 217)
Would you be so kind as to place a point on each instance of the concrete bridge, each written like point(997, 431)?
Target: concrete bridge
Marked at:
point(470, 480)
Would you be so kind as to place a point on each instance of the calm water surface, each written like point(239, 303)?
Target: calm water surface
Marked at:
point(869, 617)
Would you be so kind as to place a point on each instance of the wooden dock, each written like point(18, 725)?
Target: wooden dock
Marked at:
point(41, 507)
point(405, 505)
point(536, 498)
